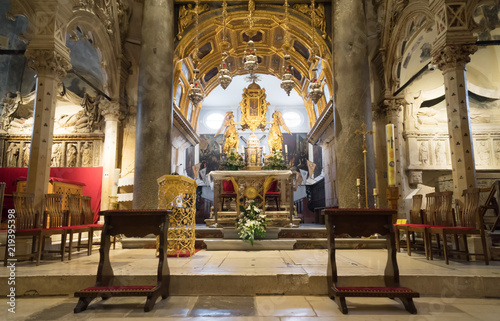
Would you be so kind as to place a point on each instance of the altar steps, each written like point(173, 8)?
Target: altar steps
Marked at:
point(307, 236)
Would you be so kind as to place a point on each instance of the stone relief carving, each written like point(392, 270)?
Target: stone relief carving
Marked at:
point(13, 155)
point(483, 153)
point(55, 160)
point(497, 152)
point(71, 155)
point(10, 105)
point(48, 61)
point(439, 153)
point(86, 155)
point(26, 155)
point(423, 153)
point(415, 177)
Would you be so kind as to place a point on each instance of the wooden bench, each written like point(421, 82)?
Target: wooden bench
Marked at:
point(131, 223)
point(365, 222)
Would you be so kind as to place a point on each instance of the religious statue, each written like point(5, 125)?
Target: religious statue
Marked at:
point(55, 160)
point(86, 155)
point(231, 139)
point(71, 156)
point(26, 155)
point(275, 140)
point(12, 155)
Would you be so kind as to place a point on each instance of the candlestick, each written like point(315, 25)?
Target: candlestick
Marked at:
point(391, 166)
point(359, 195)
point(375, 197)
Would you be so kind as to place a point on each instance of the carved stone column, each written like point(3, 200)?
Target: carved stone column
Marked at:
point(451, 60)
point(154, 111)
point(49, 66)
point(352, 101)
point(451, 52)
point(110, 110)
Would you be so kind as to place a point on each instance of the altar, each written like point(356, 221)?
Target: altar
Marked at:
point(252, 185)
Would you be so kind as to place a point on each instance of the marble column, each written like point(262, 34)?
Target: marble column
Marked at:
point(49, 67)
point(110, 110)
point(452, 60)
point(154, 110)
point(352, 101)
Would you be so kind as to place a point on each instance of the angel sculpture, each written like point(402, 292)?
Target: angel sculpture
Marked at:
point(231, 139)
point(275, 140)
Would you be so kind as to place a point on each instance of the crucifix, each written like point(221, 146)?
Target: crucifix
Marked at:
point(364, 132)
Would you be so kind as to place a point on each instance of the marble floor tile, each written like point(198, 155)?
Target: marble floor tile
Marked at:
point(223, 306)
point(283, 306)
point(323, 306)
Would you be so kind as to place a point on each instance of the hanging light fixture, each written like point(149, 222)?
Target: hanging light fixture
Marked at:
point(224, 73)
point(195, 93)
point(250, 60)
point(287, 82)
point(315, 90)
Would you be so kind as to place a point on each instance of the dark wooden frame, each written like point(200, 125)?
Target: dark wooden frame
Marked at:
point(365, 222)
point(131, 223)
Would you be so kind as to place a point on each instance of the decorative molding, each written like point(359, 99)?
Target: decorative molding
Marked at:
point(321, 125)
point(183, 125)
point(48, 61)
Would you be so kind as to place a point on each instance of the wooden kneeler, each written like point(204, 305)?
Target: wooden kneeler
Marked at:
point(131, 223)
point(365, 222)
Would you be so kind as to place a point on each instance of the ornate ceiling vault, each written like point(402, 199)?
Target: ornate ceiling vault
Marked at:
point(269, 23)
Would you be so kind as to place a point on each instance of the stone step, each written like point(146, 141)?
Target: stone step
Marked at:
point(245, 245)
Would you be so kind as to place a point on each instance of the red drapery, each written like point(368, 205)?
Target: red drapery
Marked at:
point(90, 176)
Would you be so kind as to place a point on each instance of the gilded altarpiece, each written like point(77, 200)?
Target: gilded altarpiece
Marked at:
point(253, 108)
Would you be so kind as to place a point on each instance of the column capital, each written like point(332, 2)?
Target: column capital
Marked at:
point(453, 56)
point(110, 110)
point(48, 61)
point(391, 106)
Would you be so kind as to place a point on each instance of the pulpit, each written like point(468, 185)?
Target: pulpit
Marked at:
point(178, 194)
point(253, 185)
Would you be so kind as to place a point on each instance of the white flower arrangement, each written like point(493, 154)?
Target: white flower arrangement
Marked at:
point(250, 223)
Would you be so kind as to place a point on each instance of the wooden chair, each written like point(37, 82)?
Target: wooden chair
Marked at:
point(272, 193)
point(416, 217)
point(443, 216)
point(491, 203)
point(422, 228)
point(88, 215)
point(228, 192)
point(53, 222)
point(470, 222)
point(26, 225)
point(77, 224)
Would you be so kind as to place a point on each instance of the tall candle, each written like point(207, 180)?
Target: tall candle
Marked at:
point(358, 181)
point(391, 156)
point(286, 149)
point(220, 149)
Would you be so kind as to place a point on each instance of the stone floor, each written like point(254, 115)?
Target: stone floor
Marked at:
point(258, 308)
point(251, 273)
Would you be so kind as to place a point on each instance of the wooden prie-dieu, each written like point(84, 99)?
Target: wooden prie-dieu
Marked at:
point(365, 222)
point(131, 223)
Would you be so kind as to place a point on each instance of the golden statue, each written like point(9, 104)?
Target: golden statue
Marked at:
point(275, 140)
point(231, 138)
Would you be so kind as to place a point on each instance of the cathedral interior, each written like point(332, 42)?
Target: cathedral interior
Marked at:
point(351, 104)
